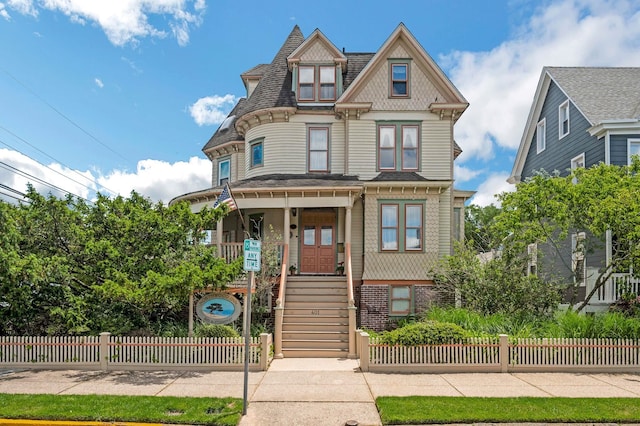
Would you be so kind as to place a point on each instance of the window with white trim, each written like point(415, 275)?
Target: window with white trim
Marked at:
point(541, 137)
point(398, 146)
point(633, 148)
point(224, 171)
point(577, 257)
point(318, 149)
point(577, 162)
point(400, 299)
point(563, 119)
point(401, 226)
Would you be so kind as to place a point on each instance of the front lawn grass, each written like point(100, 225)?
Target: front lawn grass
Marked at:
point(426, 409)
point(156, 409)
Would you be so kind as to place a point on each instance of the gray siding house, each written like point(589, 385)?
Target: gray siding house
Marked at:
point(582, 116)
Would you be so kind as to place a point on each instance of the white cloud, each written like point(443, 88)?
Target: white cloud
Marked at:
point(124, 21)
point(212, 109)
point(158, 180)
point(99, 82)
point(132, 65)
point(464, 174)
point(486, 192)
point(500, 83)
point(4, 13)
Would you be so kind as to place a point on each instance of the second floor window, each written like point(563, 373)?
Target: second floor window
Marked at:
point(224, 171)
point(318, 149)
point(256, 153)
point(563, 119)
point(633, 148)
point(398, 147)
point(541, 136)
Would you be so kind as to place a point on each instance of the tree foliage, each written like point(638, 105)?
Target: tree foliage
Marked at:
point(548, 208)
point(496, 285)
point(118, 264)
point(478, 229)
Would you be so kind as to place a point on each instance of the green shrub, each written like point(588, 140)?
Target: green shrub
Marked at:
point(424, 333)
point(215, 330)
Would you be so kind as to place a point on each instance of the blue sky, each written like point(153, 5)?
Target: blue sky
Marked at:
point(122, 94)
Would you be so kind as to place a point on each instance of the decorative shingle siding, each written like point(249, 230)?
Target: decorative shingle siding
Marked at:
point(357, 238)
point(374, 306)
point(423, 92)
point(317, 52)
point(559, 152)
point(401, 265)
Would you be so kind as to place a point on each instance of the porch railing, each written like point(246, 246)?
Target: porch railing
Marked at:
point(618, 285)
point(231, 251)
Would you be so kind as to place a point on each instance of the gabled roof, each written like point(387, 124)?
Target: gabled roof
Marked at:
point(438, 77)
point(600, 94)
point(316, 36)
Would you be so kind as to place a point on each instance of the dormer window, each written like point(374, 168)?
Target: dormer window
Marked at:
point(307, 79)
point(327, 83)
point(316, 83)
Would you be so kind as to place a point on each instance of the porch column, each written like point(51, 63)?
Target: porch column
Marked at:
point(351, 301)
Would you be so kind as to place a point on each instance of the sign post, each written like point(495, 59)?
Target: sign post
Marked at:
point(252, 255)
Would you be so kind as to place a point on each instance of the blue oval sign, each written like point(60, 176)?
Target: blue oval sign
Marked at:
point(218, 308)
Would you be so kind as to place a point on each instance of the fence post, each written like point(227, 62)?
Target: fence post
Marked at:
point(364, 351)
point(504, 352)
point(104, 351)
point(264, 351)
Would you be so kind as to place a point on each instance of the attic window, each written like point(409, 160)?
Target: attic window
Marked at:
point(316, 83)
point(226, 124)
point(399, 79)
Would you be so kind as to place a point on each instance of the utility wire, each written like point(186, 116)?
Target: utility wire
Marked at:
point(4, 194)
point(8, 188)
point(37, 179)
point(55, 171)
point(63, 116)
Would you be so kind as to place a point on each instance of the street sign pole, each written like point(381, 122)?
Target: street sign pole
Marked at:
point(247, 339)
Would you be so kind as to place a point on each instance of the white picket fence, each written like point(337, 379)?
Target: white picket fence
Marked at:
point(107, 352)
point(501, 354)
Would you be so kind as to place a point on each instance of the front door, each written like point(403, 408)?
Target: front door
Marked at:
point(318, 242)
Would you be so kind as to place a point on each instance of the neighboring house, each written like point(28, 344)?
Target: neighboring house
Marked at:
point(348, 157)
point(580, 117)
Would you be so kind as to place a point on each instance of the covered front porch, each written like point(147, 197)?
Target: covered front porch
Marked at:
point(308, 232)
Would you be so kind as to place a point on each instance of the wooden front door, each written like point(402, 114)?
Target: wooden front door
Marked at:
point(318, 242)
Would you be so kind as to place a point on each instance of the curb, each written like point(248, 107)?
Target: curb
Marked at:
point(25, 422)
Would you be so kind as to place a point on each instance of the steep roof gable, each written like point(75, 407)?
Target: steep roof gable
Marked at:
point(600, 94)
point(320, 42)
point(402, 35)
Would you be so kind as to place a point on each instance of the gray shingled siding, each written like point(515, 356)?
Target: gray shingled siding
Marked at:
point(619, 148)
point(559, 152)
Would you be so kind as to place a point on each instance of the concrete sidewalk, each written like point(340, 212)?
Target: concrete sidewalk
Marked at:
point(297, 391)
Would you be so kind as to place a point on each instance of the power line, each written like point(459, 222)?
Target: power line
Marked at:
point(40, 181)
point(54, 159)
point(62, 115)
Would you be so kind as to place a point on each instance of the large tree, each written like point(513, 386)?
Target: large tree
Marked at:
point(117, 264)
point(478, 223)
point(594, 202)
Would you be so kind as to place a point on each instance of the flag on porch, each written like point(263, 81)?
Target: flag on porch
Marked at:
point(226, 198)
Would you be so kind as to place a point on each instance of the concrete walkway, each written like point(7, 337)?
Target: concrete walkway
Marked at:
point(297, 391)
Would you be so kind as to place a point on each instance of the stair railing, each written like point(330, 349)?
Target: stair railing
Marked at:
point(351, 302)
point(279, 309)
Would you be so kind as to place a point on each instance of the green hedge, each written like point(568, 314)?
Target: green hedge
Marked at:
point(424, 333)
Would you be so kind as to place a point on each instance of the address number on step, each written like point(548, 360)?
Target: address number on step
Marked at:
point(315, 312)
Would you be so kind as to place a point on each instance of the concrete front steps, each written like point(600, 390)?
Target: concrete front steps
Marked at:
point(316, 319)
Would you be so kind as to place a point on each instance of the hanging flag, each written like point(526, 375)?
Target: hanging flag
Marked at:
point(226, 198)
